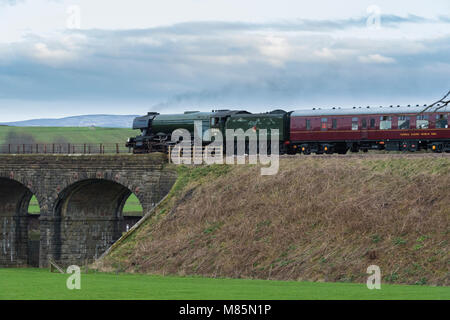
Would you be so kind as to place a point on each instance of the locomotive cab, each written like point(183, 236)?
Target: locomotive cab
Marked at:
point(219, 120)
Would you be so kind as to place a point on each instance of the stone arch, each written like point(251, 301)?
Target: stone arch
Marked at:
point(87, 219)
point(15, 197)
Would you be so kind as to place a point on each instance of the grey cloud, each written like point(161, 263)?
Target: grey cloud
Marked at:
point(182, 67)
point(445, 19)
point(214, 27)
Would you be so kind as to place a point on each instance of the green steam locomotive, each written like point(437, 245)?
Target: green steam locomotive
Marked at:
point(156, 129)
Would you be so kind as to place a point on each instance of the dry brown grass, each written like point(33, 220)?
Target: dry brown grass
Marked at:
point(316, 220)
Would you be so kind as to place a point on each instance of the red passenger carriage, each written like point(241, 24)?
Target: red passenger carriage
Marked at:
point(392, 128)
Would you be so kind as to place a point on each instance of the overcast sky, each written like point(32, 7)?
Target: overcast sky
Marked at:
point(60, 58)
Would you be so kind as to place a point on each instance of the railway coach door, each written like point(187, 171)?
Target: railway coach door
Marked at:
point(364, 128)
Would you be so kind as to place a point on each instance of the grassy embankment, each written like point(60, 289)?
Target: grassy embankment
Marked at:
point(322, 220)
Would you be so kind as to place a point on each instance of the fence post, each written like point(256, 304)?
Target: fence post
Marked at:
point(117, 148)
point(53, 148)
point(9, 148)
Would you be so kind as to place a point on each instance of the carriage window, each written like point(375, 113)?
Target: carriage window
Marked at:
point(385, 123)
point(403, 122)
point(354, 123)
point(308, 124)
point(441, 121)
point(422, 122)
point(372, 123)
point(324, 123)
point(334, 124)
point(364, 123)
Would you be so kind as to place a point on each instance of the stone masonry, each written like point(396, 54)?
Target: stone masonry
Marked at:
point(81, 198)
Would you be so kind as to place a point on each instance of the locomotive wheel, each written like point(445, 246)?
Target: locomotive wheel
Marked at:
point(305, 149)
point(354, 148)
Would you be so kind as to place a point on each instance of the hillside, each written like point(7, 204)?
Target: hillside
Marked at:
point(97, 120)
point(318, 219)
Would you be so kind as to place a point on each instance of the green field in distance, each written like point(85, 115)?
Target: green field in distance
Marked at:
point(132, 206)
point(80, 135)
point(41, 284)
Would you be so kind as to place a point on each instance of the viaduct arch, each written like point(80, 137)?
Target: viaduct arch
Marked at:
point(14, 200)
point(81, 198)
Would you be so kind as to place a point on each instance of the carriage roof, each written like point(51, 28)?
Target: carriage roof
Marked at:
point(367, 111)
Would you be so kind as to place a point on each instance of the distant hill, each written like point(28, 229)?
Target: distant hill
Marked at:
point(94, 120)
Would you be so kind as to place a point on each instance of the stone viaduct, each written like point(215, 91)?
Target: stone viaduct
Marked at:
point(81, 198)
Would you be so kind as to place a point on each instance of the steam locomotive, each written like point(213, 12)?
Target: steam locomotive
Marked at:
point(317, 130)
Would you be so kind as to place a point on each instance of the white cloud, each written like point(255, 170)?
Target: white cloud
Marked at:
point(376, 58)
point(325, 53)
point(275, 48)
point(50, 56)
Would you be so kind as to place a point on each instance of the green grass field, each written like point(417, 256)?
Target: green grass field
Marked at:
point(33, 208)
point(92, 135)
point(132, 206)
point(41, 284)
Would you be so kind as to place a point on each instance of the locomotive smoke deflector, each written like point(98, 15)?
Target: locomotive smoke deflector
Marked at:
point(144, 122)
